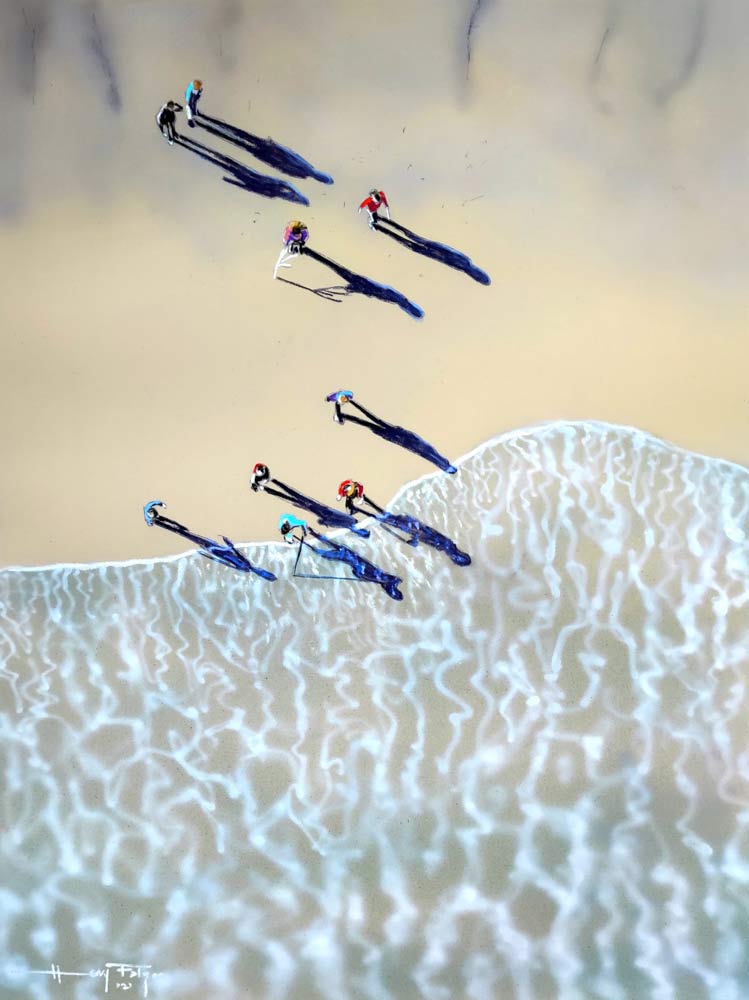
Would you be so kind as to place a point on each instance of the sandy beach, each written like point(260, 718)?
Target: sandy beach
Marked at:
point(579, 158)
point(527, 778)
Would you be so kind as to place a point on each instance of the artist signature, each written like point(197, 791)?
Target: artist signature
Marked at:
point(115, 975)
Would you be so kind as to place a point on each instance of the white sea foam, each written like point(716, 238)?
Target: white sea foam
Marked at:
point(530, 778)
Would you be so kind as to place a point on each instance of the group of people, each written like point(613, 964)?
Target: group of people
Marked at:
point(166, 117)
point(405, 527)
point(357, 503)
point(296, 233)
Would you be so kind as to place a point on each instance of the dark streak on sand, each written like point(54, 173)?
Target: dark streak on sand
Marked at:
point(32, 50)
point(99, 49)
point(691, 58)
point(469, 32)
point(601, 46)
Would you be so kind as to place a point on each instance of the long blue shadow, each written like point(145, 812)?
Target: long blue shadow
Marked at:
point(226, 554)
point(357, 283)
point(273, 153)
point(393, 433)
point(360, 567)
point(243, 177)
point(435, 251)
point(327, 516)
point(418, 531)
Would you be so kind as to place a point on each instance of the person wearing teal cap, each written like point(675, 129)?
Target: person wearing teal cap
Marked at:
point(286, 525)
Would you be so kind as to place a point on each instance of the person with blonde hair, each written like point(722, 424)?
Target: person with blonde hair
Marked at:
point(295, 237)
point(192, 96)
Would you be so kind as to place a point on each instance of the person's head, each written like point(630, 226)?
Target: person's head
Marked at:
point(344, 396)
point(197, 84)
point(260, 471)
point(375, 194)
point(348, 489)
point(297, 228)
point(172, 105)
point(284, 527)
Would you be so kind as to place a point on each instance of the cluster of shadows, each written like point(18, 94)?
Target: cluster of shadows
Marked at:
point(292, 163)
point(226, 554)
point(274, 154)
point(357, 283)
point(327, 516)
point(242, 176)
point(435, 251)
point(279, 157)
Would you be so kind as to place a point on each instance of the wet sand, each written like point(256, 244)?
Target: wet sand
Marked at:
point(526, 780)
point(586, 161)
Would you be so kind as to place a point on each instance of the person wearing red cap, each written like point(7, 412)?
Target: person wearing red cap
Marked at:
point(260, 476)
point(350, 490)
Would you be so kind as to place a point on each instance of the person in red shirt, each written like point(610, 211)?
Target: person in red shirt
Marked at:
point(374, 201)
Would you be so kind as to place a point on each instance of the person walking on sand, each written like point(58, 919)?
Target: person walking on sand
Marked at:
point(165, 120)
point(192, 95)
point(295, 237)
point(389, 432)
point(374, 201)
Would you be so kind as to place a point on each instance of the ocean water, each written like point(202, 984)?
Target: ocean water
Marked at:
point(528, 779)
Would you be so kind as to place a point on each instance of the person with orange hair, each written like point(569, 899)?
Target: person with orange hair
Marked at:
point(295, 237)
point(192, 95)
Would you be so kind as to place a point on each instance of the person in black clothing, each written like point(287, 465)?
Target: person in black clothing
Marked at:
point(260, 476)
point(165, 120)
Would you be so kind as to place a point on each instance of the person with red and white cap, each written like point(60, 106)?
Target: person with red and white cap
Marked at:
point(374, 201)
point(350, 491)
point(260, 476)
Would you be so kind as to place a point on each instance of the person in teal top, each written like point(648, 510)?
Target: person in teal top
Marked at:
point(192, 96)
point(286, 525)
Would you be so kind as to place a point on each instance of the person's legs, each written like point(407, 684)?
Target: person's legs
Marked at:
point(192, 109)
point(170, 133)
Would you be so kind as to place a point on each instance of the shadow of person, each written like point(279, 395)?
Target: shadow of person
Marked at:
point(435, 251)
point(357, 283)
point(273, 153)
point(241, 176)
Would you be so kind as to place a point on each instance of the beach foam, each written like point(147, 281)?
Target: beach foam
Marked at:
point(530, 778)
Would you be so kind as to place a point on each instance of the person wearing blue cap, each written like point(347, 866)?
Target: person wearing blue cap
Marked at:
point(390, 432)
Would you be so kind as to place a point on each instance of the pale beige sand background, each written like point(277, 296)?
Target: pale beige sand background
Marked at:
point(594, 162)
